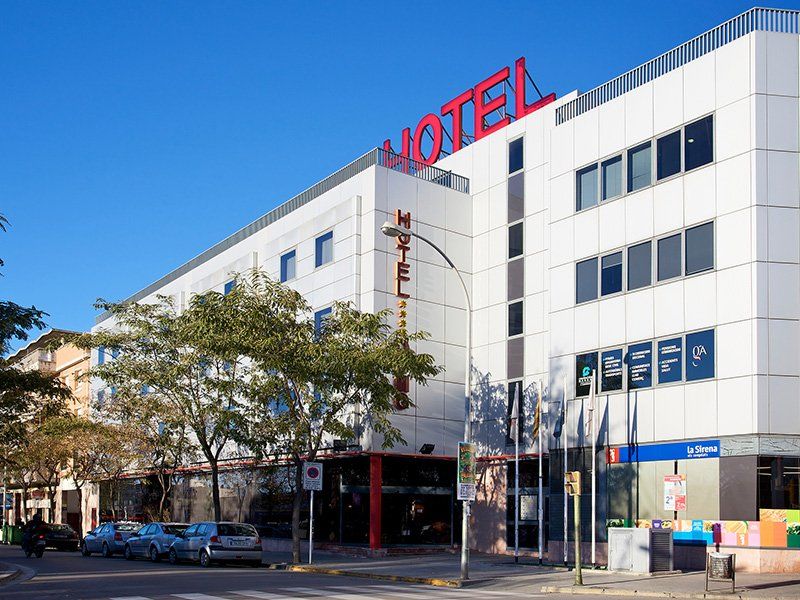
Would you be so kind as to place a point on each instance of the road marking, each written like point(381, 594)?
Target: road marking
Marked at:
point(197, 597)
point(261, 595)
point(394, 592)
point(130, 598)
point(325, 593)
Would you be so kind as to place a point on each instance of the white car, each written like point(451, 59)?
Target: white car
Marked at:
point(153, 541)
point(212, 542)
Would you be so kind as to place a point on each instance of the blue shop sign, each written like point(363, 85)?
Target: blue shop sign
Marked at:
point(670, 360)
point(700, 355)
point(671, 451)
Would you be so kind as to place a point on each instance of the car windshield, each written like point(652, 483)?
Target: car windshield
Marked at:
point(62, 528)
point(236, 529)
point(173, 529)
point(128, 526)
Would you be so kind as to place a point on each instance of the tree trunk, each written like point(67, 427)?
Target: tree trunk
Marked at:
point(215, 489)
point(25, 503)
point(79, 489)
point(298, 500)
point(163, 500)
point(51, 498)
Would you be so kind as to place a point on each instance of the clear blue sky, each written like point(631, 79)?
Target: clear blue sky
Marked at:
point(137, 134)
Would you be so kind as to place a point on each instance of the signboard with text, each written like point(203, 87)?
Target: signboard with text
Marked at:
point(584, 365)
point(611, 371)
point(466, 471)
point(700, 355)
point(670, 361)
point(640, 366)
point(671, 451)
point(674, 492)
point(312, 476)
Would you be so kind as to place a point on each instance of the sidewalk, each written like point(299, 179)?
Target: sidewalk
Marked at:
point(444, 570)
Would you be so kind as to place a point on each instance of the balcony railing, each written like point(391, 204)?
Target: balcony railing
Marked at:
point(409, 166)
point(755, 19)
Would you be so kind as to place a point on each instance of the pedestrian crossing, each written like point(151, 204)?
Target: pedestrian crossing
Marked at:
point(371, 592)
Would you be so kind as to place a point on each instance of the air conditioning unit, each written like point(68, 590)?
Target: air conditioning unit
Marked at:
point(640, 550)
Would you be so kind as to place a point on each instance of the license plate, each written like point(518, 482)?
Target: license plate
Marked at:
point(238, 543)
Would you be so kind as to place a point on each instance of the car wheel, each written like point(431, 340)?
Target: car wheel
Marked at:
point(85, 551)
point(205, 559)
point(106, 551)
point(128, 553)
point(256, 564)
point(155, 556)
point(173, 557)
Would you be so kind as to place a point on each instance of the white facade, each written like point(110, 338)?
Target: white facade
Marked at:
point(749, 299)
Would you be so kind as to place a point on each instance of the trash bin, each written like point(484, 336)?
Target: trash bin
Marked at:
point(721, 567)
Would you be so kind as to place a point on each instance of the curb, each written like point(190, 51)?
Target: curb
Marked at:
point(435, 581)
point(13, 573)
point(592, 591)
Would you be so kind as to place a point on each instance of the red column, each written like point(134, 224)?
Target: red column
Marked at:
point(375, 489)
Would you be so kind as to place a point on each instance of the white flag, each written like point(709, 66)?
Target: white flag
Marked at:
point(588, 418)
point(513, 422)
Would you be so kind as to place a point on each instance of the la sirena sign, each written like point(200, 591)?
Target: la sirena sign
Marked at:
point(483, 104)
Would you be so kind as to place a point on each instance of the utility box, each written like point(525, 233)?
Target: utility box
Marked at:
point(640, 550)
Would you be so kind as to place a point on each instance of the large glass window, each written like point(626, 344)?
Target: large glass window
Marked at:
point(288, 265)
point(611, 370)
point(669, 257)
point(639, 167)
point(639, 266)
point(515, 244)
point(319, 318)
point(700, 248)
point(699, 144)
point(516, 197)
point(324, 249)
point(640, 365)
point(515, 318)
point(611, 170)
point(586, 280)
point(668, 155)
point(611, 274)
point(516, 155)
point(586, 187)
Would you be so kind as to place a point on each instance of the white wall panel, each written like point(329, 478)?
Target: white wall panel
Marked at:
point(783, 179)
point(668, 101)
point(782, 123)
point(733, 71)
point(698, 87)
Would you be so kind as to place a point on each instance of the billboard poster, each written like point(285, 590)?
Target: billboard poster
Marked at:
point(674, 492)
point(611, 370)
point(670, 360)
point(640, 366)
point(466, 471)
point(584, 365)
point(700, 355)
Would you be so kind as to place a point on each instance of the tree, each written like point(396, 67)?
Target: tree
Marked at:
point(178, 360)
point(312, 382)
point(47, 455)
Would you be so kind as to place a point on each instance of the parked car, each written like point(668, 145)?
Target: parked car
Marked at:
point(109, 538)
point(153, 540)
point(211, 542)
point(61, 537)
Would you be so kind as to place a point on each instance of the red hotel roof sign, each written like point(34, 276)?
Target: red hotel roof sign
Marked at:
point(483, 106)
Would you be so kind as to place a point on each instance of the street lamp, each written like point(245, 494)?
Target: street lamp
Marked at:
point(393, 230)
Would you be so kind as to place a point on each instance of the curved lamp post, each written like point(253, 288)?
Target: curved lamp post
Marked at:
point(392, 230)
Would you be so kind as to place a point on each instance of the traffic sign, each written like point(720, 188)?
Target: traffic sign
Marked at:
point(312, 476)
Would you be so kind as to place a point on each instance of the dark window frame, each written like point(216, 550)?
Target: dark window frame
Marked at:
point(596, 280)
point(283, 263)
point(518, 142)
point(521, 305)
point(595, 167)
point(318, 248)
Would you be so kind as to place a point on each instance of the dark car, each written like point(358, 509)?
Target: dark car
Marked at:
point(61, 537)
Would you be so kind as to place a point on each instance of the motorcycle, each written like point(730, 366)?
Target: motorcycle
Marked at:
point(34, 545)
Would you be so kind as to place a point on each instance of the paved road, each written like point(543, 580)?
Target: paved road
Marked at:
point(69, 576)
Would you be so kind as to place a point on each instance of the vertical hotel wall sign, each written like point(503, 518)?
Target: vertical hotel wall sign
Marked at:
point(402, 270)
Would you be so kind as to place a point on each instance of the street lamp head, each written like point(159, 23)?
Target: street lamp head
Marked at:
point(392, 230)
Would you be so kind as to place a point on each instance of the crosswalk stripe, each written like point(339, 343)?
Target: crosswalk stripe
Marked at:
point(395, 592)
point(325, 593)
point(260, 595)
point(197, 597)
point(129, 598)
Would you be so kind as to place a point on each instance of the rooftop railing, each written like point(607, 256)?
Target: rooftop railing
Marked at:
point(755, 19)
point(409, 166)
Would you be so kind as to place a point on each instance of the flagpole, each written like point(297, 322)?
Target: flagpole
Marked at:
point(565, 433)
point(594, 477)
point(515, 431)
point(540, 502)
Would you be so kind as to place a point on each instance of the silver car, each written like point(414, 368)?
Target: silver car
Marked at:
point(153, 540)
point(211, 542)
point(108, 539)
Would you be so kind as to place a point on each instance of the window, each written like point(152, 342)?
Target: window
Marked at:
point(319, 318)
point(514, 395)
point(639, 266)
point(669, 257)
point(515, 155)
point(611, 370)
point(639, 167)
point(699, 144)
point(611, 275)
point(700, 355)
point(700, 248)
point(191, 531)
point(586, 281)
point(585, 365)
point(229, 287)
point(324, 249)
point(668, 155)
point(516, 197)
point(640, 366)
point(288, 262)
point(515, 318)
point(101, 355)
point(515, 247)
point(611, 171)
point(586, 187)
